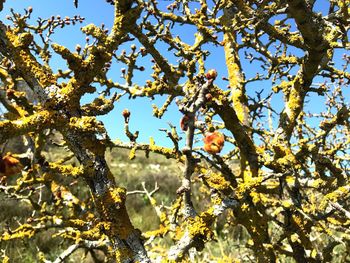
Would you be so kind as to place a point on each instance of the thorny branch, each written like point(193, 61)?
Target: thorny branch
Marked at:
point(284, 179)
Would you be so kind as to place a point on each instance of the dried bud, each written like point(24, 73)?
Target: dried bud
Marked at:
point(87, 39)
point(58, 194)
point(78, 48)
point(10, 92)
point(143, 51)
point(8, 64)
point(208, 96)
point(133, 47)
point(141, 68)
point(123, 70)
point(108, 65)
point(184, 123)
point(213, 142)
point(181, 190)
point(211, 74)
point(30, 9)
point(186, 150)
point(126, 114)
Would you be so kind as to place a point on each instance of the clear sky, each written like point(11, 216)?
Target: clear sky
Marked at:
point(98, 12)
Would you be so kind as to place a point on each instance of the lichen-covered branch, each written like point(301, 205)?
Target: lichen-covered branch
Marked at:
point(262, 164)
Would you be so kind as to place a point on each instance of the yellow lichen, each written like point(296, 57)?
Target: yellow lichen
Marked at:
point(86, 124)
point(238, 95)
point(24, 59)
point(217, 181)
point(114, 196)
point(199, 226)
point(248, 184)
point(67, 170)
point(132, 153)
point(295, 238)
point(24, 231)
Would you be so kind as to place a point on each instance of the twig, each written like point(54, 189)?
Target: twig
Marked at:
point(65, 254)
point(337, 206)
point(189, 240)
point(189, 108)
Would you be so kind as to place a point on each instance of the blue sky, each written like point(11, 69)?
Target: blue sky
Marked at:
point(99, 12)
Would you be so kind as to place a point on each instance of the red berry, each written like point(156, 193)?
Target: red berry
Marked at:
point(213, 142)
